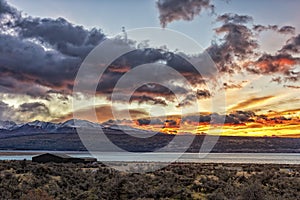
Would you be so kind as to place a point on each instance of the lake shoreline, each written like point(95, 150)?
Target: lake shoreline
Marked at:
point(167, 157)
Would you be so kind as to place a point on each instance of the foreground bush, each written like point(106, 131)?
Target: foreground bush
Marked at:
point(31, 181)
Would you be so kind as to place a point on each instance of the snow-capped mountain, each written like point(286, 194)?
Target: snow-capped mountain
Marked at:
point(77, 123)
point(47, 127)
point(69, 126)
point(7, 125)
point(43, 125)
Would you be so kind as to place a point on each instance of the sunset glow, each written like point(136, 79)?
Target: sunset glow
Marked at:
point(251, 56)
point(259, 126)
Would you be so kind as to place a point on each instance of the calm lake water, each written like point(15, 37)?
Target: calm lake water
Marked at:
point(270, 158)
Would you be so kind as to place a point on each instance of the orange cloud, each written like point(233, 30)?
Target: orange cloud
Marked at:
point(103, 113)
point(269, 64)
point(249, 102)
point(238, 123)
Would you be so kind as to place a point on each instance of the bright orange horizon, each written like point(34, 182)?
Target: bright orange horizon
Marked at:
point(262, 126)
point(237, 123)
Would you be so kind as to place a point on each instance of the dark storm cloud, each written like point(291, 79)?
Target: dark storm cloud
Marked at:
point(238, 39)
point(5, 8)
point(24, 112)
point(277, 79)
point(29, 62)
point(148, 99)
point(222, 57)
point(172, 10)
point(61, 35)
point(238, 43)
point(237, 117)
point(48, 52)
point(36, 107)
point(58, 33)
point(243, 116)
point(282, 30)
point(8, 15)
point(140, 98)
point(156, 89)
point(234, 18)
point(196, 118)
point(24, 58)
point(154, 121)
point(45, 54)
point(61, 95)
point(287, 30)
point(7, 83)
point(6, 111)
point(176, 61)
point(293, 77)
point(292, 45)
point(11, 85)
point(232, 86)
point(29, 111)
point(203, 94)
point(191, 98)
point(139, 57)
point(260, 28)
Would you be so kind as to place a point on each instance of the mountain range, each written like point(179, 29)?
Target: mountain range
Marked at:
point(10, 128)
point(48, 126)
point(39, 135)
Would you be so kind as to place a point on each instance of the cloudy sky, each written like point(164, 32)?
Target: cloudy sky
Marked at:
point(255, 46)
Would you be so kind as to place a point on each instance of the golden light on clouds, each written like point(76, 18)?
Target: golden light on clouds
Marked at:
point(103, 113)
point(290, 129)
point(250, 103)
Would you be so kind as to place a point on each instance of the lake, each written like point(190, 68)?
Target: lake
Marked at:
point(257, 158)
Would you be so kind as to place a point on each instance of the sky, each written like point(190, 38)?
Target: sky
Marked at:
point(254, 45)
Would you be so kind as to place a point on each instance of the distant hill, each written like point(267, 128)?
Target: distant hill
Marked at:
point(40, 135)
